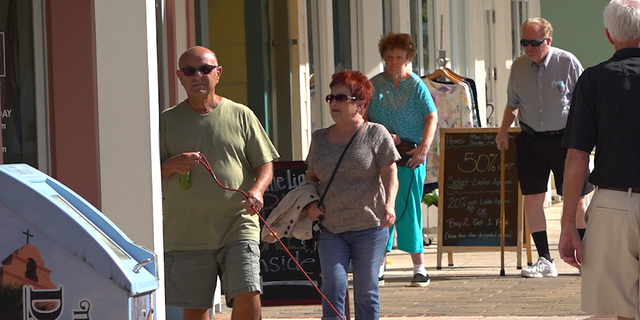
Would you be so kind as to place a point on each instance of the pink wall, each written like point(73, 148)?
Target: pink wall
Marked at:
point(173, 54)
point(73, 107)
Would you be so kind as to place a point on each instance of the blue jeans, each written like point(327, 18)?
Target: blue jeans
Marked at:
point(364, 249)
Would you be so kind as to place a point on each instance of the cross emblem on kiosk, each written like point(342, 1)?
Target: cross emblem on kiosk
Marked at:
point(29, 235)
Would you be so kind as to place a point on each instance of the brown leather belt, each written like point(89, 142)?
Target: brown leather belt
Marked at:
point(633, 190)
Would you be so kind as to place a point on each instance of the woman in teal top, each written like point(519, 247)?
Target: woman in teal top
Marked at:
point(402, 103)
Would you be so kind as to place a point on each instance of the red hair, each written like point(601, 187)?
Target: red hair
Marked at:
point(357, 82)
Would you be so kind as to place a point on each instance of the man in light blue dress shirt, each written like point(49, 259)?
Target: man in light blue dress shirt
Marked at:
point(539, 94)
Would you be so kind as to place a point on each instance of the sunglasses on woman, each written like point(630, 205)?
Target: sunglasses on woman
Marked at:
point(533, 43)
point(339, 97)
point(205, 69)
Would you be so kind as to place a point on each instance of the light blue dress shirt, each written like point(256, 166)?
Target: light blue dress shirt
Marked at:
point(542, 94)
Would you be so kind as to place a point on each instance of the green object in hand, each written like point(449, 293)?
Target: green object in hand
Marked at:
point(184, 181)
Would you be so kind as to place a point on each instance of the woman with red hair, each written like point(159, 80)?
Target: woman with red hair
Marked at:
point(358, 199)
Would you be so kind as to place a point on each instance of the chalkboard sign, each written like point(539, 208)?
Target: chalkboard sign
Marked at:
point(282, 282)
point(470, 185)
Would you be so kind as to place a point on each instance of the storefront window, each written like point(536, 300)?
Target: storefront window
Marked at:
point(420, 32)
point(17, 83)
point(342, 34)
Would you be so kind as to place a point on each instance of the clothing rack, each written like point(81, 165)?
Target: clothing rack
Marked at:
point(442, 60)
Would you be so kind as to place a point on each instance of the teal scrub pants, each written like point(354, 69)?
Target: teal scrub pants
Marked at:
point(409, 210)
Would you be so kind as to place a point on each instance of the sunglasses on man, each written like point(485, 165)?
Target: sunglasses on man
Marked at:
point(340, 98)
point(533, 43)
point(205, 69)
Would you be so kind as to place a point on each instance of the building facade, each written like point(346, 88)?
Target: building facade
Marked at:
point(82, 83)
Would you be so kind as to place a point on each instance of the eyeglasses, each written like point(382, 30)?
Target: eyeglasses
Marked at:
point(205, 69)
point(340, 98)
point(533, 43)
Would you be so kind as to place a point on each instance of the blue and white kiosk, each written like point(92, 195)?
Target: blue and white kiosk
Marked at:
point(63, 259)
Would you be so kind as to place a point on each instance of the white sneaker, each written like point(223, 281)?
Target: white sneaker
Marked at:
point(541, 268)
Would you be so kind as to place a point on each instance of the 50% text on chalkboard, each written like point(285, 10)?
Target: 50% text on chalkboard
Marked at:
point(479, 190)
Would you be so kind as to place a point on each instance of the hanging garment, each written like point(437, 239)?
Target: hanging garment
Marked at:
point(474, 102)
point(455, 110)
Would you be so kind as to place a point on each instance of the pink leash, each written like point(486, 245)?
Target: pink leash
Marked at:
point(205, 163)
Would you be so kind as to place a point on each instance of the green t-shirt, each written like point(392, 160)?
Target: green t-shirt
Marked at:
point(205, 216)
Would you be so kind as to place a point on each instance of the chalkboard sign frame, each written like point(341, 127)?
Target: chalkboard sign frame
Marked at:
point(450, 161)
point(282, 283)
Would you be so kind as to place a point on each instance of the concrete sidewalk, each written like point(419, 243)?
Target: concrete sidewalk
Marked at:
point(471, 289)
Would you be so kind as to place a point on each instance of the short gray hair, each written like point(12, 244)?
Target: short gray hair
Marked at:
point(622, 19)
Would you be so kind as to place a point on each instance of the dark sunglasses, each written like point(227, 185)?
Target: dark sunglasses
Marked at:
point(205, 69)
point(340, 98)
point(533, 43)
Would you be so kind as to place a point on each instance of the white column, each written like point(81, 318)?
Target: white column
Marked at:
point(368, 27)
point(503, 56)
point(534, 8)
point(126, 60)
point(324, 59)
point(300, 78)
point(401, 19)
point(475, 53)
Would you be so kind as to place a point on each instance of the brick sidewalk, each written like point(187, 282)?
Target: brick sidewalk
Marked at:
point(471, 289)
